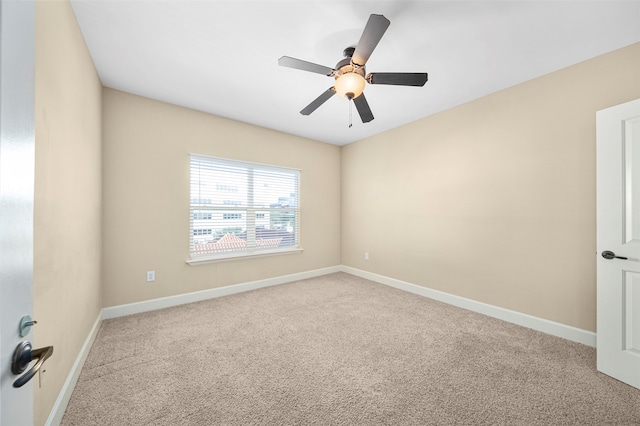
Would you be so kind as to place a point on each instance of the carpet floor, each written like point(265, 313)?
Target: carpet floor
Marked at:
point(339, 350)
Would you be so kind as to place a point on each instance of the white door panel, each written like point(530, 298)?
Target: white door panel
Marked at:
point(17, 28)
point(618, 217)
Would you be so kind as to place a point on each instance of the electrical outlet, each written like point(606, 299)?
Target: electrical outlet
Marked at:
point(366, 255)
point(151, 276)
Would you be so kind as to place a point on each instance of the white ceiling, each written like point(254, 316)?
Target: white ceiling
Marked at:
point(221, 57)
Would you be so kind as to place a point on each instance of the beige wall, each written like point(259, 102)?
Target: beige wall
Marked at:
point(146, 147)
point(67, 216)
point(493, 200)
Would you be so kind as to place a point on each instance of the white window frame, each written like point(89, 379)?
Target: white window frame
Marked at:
point(249, 209)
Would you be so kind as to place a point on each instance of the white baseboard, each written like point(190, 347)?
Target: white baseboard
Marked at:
point(540, 324)
point(181, 299)
point(60, 406)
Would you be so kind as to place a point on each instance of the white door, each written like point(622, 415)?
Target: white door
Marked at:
point(618, 235)
point(16, 198)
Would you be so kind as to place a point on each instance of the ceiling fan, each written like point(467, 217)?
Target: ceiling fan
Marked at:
point(350, 73)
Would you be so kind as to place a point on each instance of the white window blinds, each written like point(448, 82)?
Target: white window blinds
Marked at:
point(242, 209)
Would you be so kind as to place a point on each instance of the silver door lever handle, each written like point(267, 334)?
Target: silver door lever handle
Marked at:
point(607, 254)
point(23, 355)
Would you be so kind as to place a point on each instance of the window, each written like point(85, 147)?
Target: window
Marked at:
point(226, 188)
point(200, 201)
point(202, 216)
point(228, 216)
point(242, 209)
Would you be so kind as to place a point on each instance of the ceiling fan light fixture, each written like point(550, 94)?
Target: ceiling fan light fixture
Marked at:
point(350, 85)
point(350, 74)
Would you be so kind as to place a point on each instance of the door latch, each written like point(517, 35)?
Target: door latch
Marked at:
point(608, 254)
point(23, 355)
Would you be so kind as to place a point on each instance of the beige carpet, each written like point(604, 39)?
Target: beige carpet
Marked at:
point(339, 350)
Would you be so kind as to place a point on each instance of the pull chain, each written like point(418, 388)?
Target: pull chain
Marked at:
point(350, 109)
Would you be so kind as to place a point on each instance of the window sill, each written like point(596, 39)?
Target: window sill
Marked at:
point(203, 260)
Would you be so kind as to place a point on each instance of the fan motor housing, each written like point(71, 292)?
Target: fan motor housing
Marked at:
point(345, 66)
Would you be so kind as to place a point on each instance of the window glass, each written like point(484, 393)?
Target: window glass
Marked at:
point(242, 208)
